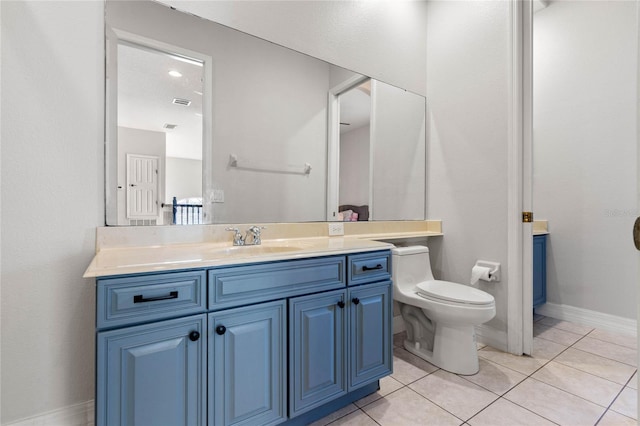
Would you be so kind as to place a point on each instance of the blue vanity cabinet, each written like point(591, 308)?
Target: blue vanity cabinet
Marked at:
point(247, 365)
point(317, 351)
point(254, 344)
point(539, 270)
point(370, 334)
point(152, 374)
point(341, 341)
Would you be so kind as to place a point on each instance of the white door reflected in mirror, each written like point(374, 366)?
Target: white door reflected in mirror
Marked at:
point(159, 121)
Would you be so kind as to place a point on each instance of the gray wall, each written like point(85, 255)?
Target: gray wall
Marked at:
point(585, 151)
point(52, 196)
point(468, 102)
point(52, 172)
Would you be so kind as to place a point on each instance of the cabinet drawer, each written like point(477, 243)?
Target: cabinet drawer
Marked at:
point(244, 285)
point(369, 267)
point(129, 300)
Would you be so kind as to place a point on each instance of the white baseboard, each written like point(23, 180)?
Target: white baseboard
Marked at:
point(589, 318)
point(81, 414)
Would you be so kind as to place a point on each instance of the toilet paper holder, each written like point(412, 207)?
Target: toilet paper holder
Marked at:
point(494, 270)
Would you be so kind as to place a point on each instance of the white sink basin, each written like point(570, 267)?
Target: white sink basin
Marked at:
point(263, 249)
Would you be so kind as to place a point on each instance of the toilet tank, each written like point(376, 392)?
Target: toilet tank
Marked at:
point(411, 265)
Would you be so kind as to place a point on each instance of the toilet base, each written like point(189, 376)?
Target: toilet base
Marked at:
point(454, 349)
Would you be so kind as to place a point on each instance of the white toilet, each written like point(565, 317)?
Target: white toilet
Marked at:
point(439, 315)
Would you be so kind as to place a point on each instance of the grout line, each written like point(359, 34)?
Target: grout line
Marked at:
point(437, 405)
point(514, 403)
point(610, 343)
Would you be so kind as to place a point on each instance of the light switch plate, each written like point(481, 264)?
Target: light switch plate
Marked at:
point(336, 228)
point(218, 196)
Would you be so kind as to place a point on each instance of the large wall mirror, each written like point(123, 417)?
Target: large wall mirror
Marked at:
point(206, 124)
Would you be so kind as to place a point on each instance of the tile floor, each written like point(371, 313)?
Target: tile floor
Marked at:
point(577, 375)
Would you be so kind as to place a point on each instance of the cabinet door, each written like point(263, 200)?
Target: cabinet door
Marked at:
point(370, 353)
point(539, 270)
point(316, 351)
point(152, 374)
point(247, 365)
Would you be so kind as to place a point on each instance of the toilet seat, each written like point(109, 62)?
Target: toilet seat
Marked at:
point(453, 293)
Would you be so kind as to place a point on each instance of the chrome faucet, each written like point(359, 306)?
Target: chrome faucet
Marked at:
point(253, 232)
point(238, 240)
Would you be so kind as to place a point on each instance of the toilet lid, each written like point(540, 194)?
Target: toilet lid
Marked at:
point(454, 292)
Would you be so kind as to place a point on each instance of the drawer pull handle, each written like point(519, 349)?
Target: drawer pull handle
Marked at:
point(355, 300)
point(194, 336)
point(341, 304)
point(366, 268)
point(221, 329)
point(140, 299)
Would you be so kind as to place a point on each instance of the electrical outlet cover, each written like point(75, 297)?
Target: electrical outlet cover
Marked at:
point(336, 228)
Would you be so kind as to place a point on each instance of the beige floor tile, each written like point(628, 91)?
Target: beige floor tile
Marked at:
point(566, 326)
point(335, 415)
point(506, 413)
point(387, 385)
point(405, 372)
point(555, 334)
point(414, 360)
point(611, 418)
point(405, 407)
point(627, 403)
point(357, 418)
point(480, 345)
point(576, 382)
point(629, 341)
point(608, 350)
point(594, 364)
point(547, 350)
point(633, 383)
point(495, 377)
point(554, 404)
point(523, 364)
point(458, 396)
point(543, 352)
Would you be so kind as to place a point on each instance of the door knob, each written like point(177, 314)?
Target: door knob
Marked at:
point(355, 300)
point(194, 336)
point(221, 329)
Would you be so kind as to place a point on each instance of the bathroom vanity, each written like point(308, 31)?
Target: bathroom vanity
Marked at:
point(539, 270)
point(234, 338)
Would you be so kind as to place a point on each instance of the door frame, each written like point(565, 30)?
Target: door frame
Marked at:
point(112, 37)
point(520, 181)
point(333, 143)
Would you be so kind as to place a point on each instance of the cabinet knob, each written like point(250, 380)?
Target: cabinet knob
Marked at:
point(194, 336)
point(355, 300)
point(341, 304)
point(221, 329)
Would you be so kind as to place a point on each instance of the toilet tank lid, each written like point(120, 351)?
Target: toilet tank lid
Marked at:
point(403, 251)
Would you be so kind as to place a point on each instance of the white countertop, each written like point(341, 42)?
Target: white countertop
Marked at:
point(131, 260)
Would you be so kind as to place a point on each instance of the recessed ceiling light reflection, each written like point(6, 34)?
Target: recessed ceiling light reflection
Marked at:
point(174, 73)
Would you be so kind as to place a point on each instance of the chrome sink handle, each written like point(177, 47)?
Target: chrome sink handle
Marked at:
point(254, 232)
point(237, 236)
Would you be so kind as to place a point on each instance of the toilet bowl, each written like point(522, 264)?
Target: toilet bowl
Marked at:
point(439, 316)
